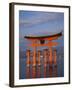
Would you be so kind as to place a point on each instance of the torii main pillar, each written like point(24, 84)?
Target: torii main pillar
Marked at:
point(50, 56)
point(34, 56)
point(55, 56)
point(28, 58)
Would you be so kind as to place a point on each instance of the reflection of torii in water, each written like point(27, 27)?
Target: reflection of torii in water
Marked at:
point(38, 41)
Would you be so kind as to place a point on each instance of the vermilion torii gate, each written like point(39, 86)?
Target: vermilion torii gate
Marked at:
point(42, 41)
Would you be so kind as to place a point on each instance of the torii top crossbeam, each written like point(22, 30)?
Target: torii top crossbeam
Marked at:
point(44, 37)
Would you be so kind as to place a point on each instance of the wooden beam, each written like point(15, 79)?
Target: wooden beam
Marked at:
point(50, 44)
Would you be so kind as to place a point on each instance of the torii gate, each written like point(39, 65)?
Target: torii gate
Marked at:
point(39, 41)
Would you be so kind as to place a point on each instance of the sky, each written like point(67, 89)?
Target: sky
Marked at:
point(38, 23)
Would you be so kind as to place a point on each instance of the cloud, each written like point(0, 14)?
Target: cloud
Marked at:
point(39, 18)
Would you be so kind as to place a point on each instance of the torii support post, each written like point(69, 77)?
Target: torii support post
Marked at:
point(28, 58)
point(39, 52)
point(27, 72)
point(55, 71)
point(55, 56)
point(50, 56)
point(50, 71)
point(39, 71)
point(45, 57)
point(34, 72)
point(45, 71)
point(34, 57)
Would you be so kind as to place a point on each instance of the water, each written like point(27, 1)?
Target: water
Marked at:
point(41, 71)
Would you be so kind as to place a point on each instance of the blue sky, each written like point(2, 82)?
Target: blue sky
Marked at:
point(37, 22)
